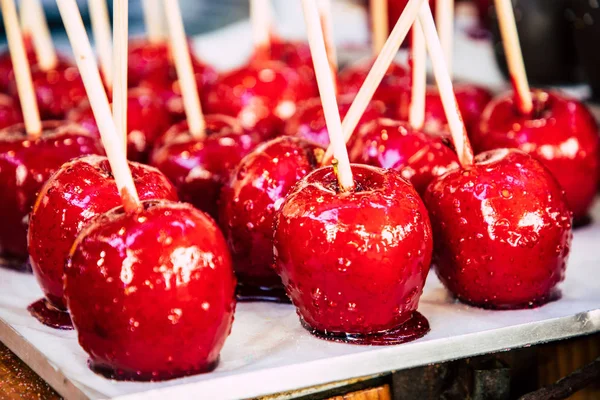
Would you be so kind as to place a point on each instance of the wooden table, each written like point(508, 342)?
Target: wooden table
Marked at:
point(528, 369)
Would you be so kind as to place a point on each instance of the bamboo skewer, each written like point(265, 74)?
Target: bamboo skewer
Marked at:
point(444, 83)
point(260, 19)
point(120, 52)
point(185, 70)
point(416, 116)
point(37, 25)
point(102, 38)
point(155, 29)
point(379, 24)
point(327, 92)
point(377, 72)
point(327, 25)
point(444, 20)
point(31, 114)
point(99, 102)
point(514, 56)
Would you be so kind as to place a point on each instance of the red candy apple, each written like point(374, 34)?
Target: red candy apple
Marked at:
point(395, 9)
point(79, 191)
point(152, 62)
point(561, 133)
point(502, 231)
point(392, 144)
point(248, 204)
point(293, 54)
point(10, 112)
point(261, 95)
point(395, 82)
point(160, 279)
point(200, 167)
point(215, 123)
point(471, 99)
point(354, 263)
point(147, 119)
point(57, 90)
point(25, 165)
point(309, 120)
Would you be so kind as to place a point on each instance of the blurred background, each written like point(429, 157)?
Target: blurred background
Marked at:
point(559, 38)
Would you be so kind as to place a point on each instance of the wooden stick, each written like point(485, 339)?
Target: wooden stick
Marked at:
point(185, 70)
point(327, 92)
point(119, 66)
point(379, 24)
point(444, 82)
point(18, 56)
point(514, 56)
point(327, 24)
point(86, 64)
point(42, 39)
point(416, 117)
point(155, 29)
point(444, 20)
point(377, 72)
point(102, 38)
point(260, 19)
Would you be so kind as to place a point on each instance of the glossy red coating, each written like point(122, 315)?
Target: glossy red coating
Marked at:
point(261, 95)
point(200, 167)
point(78, 192)
point(151, 293)
point(418, 157)
point(396, 81)
point(6, 68)
point(471, 99)
point(502, 231)
point(250, 200)
point(153, 61)
point(395, 9)
point(57, 90)
point(10, 112)
point(309, 120)
point(147, 119)
point(294, 54)
point(353, 263)
point(562, 134)
point(214, 123)
point(25, 165)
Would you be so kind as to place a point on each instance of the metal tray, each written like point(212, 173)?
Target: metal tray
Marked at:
point(269, 352)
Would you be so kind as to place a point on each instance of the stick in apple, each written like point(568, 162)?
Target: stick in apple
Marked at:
point(102, 38)
point(154, 21)
point(379, 24)
point(185, 71)
point(377, 72)
point(260, 19)
point(327, 24)
point(120, 52)
point(416, 116)
point(18, 56)
point(444, 20)
point(514, 56)
point(327, 92)
point(444, 83)
point(99, 102)
point(42, 40)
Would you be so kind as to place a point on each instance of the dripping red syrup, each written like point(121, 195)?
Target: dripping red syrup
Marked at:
point(122, 375)
point(50, 316)
point(416, 327)
point(551, 297)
